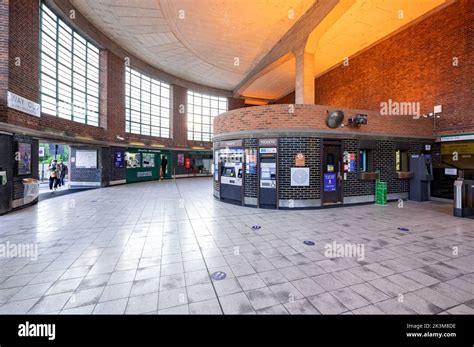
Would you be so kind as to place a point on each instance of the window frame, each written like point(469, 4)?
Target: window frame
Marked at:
point(200, 113)
point(58, 96)
point(139, 122)
point(402, 163)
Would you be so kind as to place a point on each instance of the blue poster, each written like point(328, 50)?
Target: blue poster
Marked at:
point(119, 159)
point(329, 182)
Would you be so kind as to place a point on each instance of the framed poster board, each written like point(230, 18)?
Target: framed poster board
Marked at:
point(24, 158)
point(86, 159)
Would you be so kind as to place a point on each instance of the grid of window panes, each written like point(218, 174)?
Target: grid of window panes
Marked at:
point(69, 72)
point(201, 112)
point(147, 105)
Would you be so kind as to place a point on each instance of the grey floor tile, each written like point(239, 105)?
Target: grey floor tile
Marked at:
point(461, 309)
point(250, 282)
point(172, 281)
point(236, 304)
point(286, 292)
point(176, 310)
point(171, 298)
point(327, 304)
point(142, 304)
point(111, 307)
point(122, 277)
point(278, 309)
point(369, 292)
point(301, 307)
point(116, 291)
point(85, 297)
point(18, 307)
point(227, 286)
point(210, 306)
point(262, 298)
point(349, 298)
point(272, 277)
point(50, 303)
point(200, 292)
point(328, 282)
point(308, 287)
point(197, 277)
point(64, 286)
point(147, 286)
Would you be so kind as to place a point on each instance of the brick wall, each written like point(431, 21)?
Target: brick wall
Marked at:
point(314, 117)
point(251, 180)
point(287, 150)
point(413, 65)
point(4, 30)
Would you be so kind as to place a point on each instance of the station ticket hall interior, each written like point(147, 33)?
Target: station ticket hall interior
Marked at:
point(287, 157)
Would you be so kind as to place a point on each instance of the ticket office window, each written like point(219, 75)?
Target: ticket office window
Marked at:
point(401, 161)
point(366, 160)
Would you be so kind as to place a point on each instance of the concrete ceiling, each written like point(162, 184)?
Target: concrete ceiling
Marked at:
point(351, 27)
point(211, 42)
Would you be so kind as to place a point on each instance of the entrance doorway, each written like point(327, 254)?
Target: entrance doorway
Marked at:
point(331, 173)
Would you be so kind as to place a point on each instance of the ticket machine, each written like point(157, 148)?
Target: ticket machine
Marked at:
point(231, 175)
point(422, 169)
point(268, 196)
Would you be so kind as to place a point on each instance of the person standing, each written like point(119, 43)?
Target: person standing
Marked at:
point(53, 175)
point(164, 164)
point(63, 172)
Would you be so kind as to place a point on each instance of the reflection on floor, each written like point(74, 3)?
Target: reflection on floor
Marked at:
point(150, 247)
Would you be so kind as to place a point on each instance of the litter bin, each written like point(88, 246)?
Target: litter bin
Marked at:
point(30, 190)
point(463, 198)
point(380, 193)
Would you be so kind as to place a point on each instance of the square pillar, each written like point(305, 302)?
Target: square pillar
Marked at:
point(304, 82)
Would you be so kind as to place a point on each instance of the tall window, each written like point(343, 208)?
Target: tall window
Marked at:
point(401, 160)
point(69, 72)
point(147, 105)
point(201, 112)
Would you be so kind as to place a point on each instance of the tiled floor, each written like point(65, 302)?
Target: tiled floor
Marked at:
point(149, 248)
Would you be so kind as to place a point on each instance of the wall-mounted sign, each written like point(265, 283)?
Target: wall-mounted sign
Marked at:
point(251, 161)
point(187, 163)
point(268, 142)
point(267, 150)
point(86, 159)
point(299, 159)
point(451, 172)
point(329, 182)
point(24, 163)
point(180, 159)
point(19, 103)
point(330, 168)
point(352, 162)
point(299, 176)
point(145, 174)
point(119, 159)
point(41, 152)
point(231, 143)
point(427, 147)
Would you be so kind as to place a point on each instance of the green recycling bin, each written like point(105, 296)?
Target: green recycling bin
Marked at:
point(380, 193)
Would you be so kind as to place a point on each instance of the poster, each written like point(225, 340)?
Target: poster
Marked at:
point(148, 160)
point(181, 159)
point(119, 159)
point(86, 159)
point(329, 182)
point(133, 160)
point(24, 160)
point(251, 161)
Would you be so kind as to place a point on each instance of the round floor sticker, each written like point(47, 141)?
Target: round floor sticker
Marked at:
point(404, 229)
point(256, 227)
point(218, 275)
point(309, 243)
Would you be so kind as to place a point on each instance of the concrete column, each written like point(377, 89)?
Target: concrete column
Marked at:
point(304, 83)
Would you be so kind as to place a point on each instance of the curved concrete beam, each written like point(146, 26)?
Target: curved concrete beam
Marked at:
point(294, 38)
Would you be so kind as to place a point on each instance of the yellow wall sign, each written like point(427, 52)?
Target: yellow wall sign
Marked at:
point(466, 147)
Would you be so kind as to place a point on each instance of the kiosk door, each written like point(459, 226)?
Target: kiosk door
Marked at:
point(332, 174)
